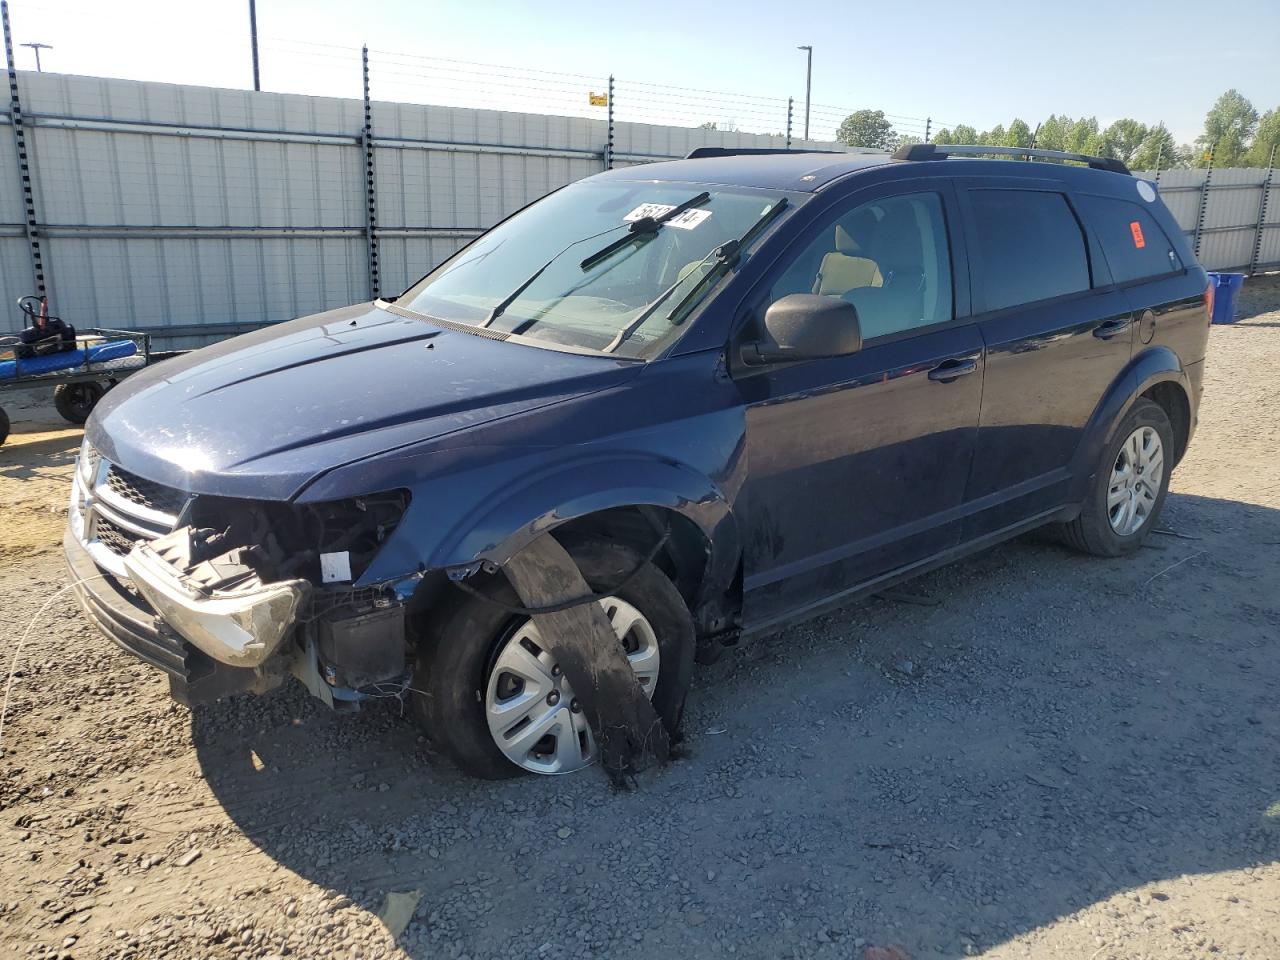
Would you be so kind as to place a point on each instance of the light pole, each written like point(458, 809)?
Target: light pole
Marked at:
point(808, 82)
point(37, 47)
point(253, 37)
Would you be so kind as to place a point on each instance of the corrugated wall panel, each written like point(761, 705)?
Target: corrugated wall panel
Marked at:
point(11, 207)
point(16, 279)
point(179, 282)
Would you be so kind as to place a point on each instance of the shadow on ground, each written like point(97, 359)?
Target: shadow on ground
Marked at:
point(1055, 730)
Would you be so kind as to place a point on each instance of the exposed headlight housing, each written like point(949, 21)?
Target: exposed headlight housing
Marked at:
point(87, 463)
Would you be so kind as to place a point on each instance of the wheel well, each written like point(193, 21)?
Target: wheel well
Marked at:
point(683, 558)
point(1173, 400)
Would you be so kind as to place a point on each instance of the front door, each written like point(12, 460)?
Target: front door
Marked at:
point(857, 465)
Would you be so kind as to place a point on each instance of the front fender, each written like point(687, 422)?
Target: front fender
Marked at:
point(496, 531)
point(1153, 365)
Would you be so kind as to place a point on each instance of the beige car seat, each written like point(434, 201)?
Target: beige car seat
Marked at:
point(846, 268)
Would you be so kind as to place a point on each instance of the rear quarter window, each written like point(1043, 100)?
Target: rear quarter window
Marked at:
point(1133, 242)
point(1030, 247)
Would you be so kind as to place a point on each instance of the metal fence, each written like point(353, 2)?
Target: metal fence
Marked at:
point(1229, 215)
point(196, 212)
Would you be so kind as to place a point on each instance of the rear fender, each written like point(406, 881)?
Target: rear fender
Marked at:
point(1154, 365)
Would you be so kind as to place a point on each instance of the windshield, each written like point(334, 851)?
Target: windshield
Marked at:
point(582, 267)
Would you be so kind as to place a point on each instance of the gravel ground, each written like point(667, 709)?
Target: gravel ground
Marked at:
point(1060, 756)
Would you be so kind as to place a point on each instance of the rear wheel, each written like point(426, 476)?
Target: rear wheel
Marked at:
point(491, 696)
point(75, 401)
point(1129, 487)
point(4, 426)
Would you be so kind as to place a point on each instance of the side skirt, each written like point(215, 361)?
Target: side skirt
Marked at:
point(910, 571)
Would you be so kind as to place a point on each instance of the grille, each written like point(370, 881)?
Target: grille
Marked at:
point(118, 541)
point(144, 493)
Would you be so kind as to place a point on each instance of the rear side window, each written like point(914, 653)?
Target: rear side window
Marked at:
point(1134, 244)
point(1030, 247)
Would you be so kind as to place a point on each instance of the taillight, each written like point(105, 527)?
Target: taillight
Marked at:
point(1208, 303)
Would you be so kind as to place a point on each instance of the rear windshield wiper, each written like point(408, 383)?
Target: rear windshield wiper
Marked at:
point(725, 256)
point(645, 227)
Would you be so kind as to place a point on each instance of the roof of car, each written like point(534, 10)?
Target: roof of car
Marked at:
point(778, 171)
point(808, 172)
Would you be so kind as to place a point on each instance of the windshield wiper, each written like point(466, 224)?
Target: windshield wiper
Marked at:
point(644, 227)
point(501, 306)
point(725, 256)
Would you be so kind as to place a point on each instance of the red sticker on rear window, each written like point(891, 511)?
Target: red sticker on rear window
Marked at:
point(1136, 229)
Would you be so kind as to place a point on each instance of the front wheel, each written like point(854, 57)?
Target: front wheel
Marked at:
point(1130, 486)
point(491, 696)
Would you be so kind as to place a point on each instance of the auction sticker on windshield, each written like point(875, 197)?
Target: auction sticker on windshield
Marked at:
point(686, 221)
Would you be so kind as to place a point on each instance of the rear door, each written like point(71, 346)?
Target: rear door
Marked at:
point(1145, 262)
point(1057, 333)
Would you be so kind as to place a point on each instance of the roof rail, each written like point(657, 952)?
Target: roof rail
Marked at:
point(935, 151)
point(702, 153)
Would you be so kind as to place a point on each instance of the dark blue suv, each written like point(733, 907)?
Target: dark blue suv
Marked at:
point(738, 388)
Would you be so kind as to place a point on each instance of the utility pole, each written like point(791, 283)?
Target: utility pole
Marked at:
point(37, 47)
point(253, 38)
point(808, 84)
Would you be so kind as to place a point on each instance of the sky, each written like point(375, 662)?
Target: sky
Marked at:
point(981, 62)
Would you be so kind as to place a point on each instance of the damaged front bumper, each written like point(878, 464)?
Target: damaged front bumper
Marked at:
point(238, 598)
point(241, 625)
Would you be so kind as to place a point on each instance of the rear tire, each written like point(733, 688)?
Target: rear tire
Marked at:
point(4, 426)
point(463, 636)
point(1122, 508)
point(75, 401)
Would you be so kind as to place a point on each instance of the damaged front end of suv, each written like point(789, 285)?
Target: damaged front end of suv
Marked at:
point(230, 596)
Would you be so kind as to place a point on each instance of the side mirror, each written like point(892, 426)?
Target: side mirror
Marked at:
point(805, 326)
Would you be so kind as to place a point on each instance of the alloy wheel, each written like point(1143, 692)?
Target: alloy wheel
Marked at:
point(1135, 481)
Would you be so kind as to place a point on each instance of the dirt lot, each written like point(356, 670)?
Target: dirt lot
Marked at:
point(1062, 757)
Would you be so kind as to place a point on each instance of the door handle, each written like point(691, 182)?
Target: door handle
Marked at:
point(953, 369)
point(1109, 328)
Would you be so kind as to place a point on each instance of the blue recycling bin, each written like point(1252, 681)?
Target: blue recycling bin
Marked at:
point(1225, 288)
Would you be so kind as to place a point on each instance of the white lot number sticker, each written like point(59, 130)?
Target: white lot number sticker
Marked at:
point(686, 221)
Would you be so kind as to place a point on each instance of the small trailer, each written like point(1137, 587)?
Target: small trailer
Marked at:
point(80, 365)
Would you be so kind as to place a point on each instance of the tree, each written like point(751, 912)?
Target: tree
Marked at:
point(1018, 134)
point(1228, 126)
point(867, 128)
point(1267, 136)
point(961, 134)
point(1083, 137)
point(1123, 139)
point(907, 140)
point(1158, 151)
point(708, 125)
point(1052, 134)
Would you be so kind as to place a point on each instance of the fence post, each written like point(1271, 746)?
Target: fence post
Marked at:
point(790, 109)
point(608, 144)
point(370, 185)
point(1262, 212)
point(1204, 202)
point(24, 166)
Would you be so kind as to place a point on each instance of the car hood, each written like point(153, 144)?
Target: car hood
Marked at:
point(264, 414)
